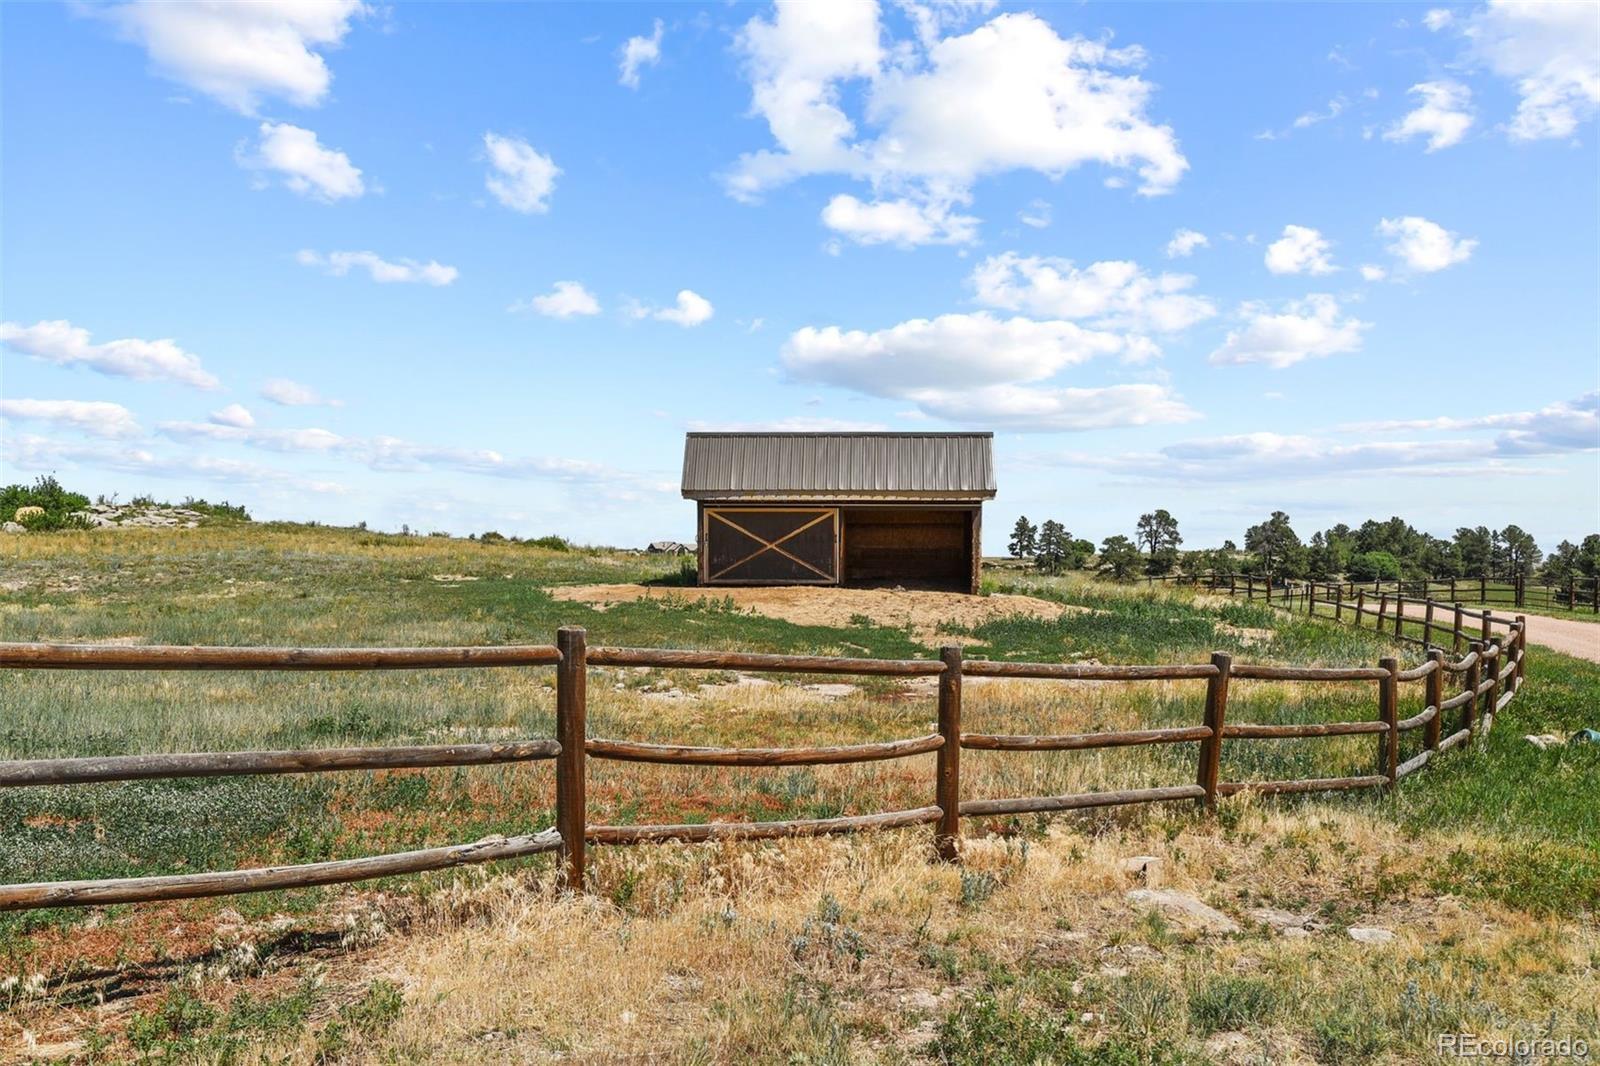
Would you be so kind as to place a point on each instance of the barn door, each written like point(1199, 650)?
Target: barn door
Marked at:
point(771, 546)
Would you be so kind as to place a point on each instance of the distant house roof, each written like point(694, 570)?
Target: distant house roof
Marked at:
point(839, 466)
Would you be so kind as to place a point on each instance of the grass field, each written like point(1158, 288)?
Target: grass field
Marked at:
point(1486, 865)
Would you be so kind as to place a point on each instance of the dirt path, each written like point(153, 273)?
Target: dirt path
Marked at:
point(1570, 637)
point(923, 611)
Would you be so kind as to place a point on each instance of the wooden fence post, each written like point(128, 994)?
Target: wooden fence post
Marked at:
point(1216, 717)
point(1383, 609)
point(1493, 695)
point(1361, 605)
point(572, 677)
point(1399, 612)
point(1338, 603)
point(1435, 696)
point(1474, 678)
point(1522, 651)
point(1459, 628)
point(947, 787)
point(1485, 633)
point(1452, 589)
point(1427, 624)
point(1389, 713)
point(1311, 597)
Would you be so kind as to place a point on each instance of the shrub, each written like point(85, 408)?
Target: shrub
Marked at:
point(233, 512)
point(55, 505)
point(1373, 566)
point(551, 543)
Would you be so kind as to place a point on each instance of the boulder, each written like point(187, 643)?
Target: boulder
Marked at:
point(1370, 934)
point(1187, 909)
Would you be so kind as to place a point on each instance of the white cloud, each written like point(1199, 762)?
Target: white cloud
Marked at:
point(64, 344)
point(238, 53)
point(379, 269)
point(288, 393)
point(905, 222)
point(1112, 294)
point(1443, 116)
point(1303, 329)
point(943, 112)
point(567, 300)
point(1564, 426)
point(691, 309)
point(1438, 18)
point(1551, 51)
point(796, 424)
point(1373, 272)
point(1277, 457)
point(95, 417)
point(519, 177)
point(1301, 250)
point(1334, 109)
point(979, 369)
point(1184, 242)
point(639, 52)
point(41, 453)
point(235, 414)
point(305, 165)
point(1036, 214)
point(1425, 246)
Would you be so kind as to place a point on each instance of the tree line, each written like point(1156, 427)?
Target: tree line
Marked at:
point(1391, 550)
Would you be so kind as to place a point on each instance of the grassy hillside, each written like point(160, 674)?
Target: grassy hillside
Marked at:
point(1487, 865)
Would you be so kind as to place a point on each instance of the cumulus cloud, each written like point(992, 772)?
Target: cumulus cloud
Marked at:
point(392, 454)
point(1373, 272)
point(1425, 246)
point(568, 299)
point(980, 369)
point(235, 414)
point(1301, 250)
point(95, 417)
point(1438, 18)
point(944, 111)
point(28, 452)
point(1036, 214)
point(1550, 51)
point(64, 344)
point(691, 309)
point(1443, 115)
point(1563, 426)
point(238, 53)
point(519, 176)
point(1112, 294)
point(379, 269)
point(1302, 329)
point(302, 163)
point(1184, 242)
point(1276, 457)
point(288, 393)
point(638, 52)
point(903, 222)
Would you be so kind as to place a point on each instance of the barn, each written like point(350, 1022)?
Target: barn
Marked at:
point(840, 508)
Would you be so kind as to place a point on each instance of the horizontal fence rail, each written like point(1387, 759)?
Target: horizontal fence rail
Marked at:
point(1487, 675)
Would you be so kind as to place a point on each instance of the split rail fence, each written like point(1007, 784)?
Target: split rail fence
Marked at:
point(1517, 594)
point(1480, 684)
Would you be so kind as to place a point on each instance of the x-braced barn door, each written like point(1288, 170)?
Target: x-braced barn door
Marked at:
point(771, 545)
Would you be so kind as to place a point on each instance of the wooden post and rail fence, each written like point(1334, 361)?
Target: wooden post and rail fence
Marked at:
point(1492, 662)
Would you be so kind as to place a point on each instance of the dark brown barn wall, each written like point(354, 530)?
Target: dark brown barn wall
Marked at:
point(913, 545)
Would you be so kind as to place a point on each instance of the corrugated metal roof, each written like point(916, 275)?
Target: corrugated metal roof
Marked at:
point(876, 466)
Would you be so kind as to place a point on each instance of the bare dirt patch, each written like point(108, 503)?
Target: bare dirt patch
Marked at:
point(922, 610)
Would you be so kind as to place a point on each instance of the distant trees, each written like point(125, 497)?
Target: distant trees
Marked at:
point(1373, 566)
point(1120, 557)
point(1158, 533)
point(1276, 546)
point(1058, 550)
point(1024, 538)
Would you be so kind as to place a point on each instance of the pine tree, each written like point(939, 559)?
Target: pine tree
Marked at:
point(1024, 538)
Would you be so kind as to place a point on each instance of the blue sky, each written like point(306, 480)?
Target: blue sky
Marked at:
point(481, 266)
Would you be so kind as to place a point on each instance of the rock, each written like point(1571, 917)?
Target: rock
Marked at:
point(1544, 740)
point(1285, 923)
point(1148, 870)
point(13, 527)
point(1370, 934)
point(1185, 908)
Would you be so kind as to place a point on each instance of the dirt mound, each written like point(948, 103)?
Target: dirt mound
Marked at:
point(805, 605)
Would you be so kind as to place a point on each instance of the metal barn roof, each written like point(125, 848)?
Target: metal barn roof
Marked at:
point(839, 466)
